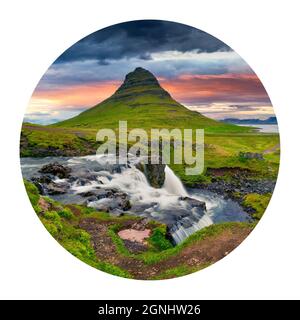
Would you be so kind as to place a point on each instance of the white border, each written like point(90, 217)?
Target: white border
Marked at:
point(33, 34)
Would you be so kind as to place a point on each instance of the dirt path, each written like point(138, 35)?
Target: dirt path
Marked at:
point(196, 255)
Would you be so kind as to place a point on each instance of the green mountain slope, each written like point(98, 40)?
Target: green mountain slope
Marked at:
point(144, 104)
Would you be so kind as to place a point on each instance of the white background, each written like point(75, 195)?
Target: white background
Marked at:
point(265, 34)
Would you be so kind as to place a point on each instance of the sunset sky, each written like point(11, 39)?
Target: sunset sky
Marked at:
point(197, 69)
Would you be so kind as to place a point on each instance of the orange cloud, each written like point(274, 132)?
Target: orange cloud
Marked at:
point(188, 89)
point(215, 88)
point(76, 96)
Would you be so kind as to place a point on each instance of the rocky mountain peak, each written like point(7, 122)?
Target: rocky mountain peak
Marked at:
point(140, 82)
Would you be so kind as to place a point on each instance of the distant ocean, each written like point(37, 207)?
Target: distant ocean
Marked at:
point(266, 128)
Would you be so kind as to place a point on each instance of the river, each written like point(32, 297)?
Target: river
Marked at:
point(171, 204)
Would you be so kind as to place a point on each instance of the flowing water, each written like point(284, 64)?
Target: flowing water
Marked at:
point(169, 204)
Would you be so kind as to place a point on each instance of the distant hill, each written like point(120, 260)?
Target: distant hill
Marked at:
point(271, 120)
point(144, 104)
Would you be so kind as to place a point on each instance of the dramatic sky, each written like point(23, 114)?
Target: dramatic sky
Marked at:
point(197, 69)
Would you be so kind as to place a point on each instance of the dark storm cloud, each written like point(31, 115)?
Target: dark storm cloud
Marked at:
point(140, 39)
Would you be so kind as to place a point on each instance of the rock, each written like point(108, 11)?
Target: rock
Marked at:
point(194, 202)
point(251, 155)
point(103, 207)
point(56, 169)
point(110, 200)
point(44, 179)
point(98, 193)
point(53, 188)
point(90, 199)
point(43, 204)
point(155, 173)
point(140, 225)
point(124, 204)
point(117, 212)
point(186, 223)
point(135, 247)
point(83, 182)
point(87, 194)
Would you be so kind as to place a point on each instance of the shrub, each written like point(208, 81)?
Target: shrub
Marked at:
point(258, 202)
point(158, 239)
point(66, 213)
point(50, 226)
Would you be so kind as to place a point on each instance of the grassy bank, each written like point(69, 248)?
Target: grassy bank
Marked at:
point(92, 237)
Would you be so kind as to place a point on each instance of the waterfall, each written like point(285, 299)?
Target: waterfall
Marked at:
point(100, 183)
point(180, 233)
point(173, 184)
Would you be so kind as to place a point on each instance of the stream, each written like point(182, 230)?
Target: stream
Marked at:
point(97, 183)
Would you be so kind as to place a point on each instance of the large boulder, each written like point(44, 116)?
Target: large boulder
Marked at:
point(107, 199)
point(56, 188)
point(155, 173)
point(56, 169)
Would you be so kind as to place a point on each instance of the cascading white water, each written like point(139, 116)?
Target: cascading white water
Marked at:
point(180, 233)
point(173, 184)
point(166, 204)
point(162, 204)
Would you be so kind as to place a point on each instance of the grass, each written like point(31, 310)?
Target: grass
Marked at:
point(143, 109)
point(221, 150)
point(210, 231)
point(153, 256)
point(37, 140)
point(120, 246)
point(179, 271)
point(258, 202)
point(61, 224)
point(145, 106)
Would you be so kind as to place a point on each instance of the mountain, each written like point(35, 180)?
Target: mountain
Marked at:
point(271, 120)
point(144, 104)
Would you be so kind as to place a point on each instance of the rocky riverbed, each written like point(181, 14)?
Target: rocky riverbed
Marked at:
point(125, 189)
point(236, 183)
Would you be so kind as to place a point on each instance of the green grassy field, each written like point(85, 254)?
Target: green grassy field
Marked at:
point(220, 149)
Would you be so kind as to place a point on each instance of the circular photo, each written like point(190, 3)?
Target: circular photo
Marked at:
point(149, 150)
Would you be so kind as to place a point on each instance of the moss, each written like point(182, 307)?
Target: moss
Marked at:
point(32, 192)
point(120, 246)
point(154, 256)
point(61, 224)
point(210, 231)
point(158, 239)
point(114, 270)
point(258, 202)
point(179, 271)
point(66, 213)
point(50, 226)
